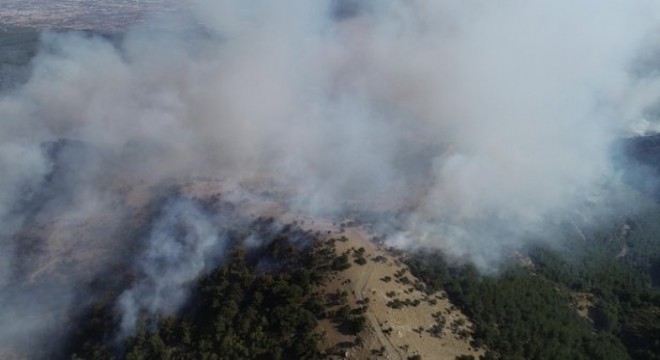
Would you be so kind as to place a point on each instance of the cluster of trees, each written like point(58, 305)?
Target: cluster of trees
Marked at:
point(518, 315)
point(619, 270)
point(235, 312)
point(239, 314)
point(530, 312)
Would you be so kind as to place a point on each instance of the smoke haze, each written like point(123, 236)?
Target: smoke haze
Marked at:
point(181, 246)
point(481, 125)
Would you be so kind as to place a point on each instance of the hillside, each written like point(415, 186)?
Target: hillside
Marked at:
point(362, 308)
point(295, 287)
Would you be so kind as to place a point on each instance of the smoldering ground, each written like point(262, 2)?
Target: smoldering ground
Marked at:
point(483, 125)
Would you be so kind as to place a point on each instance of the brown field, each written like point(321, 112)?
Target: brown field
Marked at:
point(391, 333)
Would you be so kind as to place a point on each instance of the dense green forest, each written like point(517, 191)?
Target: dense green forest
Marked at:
point(238, 311)
point(530, 311)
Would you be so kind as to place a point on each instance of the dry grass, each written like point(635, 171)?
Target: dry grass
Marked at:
point(393, 333)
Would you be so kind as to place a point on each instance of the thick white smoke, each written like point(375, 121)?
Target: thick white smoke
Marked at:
point(480, 123)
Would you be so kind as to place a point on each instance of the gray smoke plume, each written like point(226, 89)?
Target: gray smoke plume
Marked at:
point(482, 125)
point(182, 245)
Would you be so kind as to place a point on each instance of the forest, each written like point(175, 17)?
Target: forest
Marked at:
point(238, 311)
point(598, 298)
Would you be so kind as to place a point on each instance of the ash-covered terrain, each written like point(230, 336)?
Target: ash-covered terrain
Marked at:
point(330, 179)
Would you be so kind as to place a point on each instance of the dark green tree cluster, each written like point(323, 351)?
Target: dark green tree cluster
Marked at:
point(617, 270)
point(529, 312)
point(239, 314)
point(518, 315)
point(235, 312)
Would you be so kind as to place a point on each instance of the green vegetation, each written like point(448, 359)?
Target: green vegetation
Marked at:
point(236, 312)
point(531, 312)
point(358, 256)
point(341, 263)
point(527, 311)
point(520, 316)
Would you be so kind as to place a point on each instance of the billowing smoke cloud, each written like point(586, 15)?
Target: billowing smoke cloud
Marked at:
point(480, 124)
